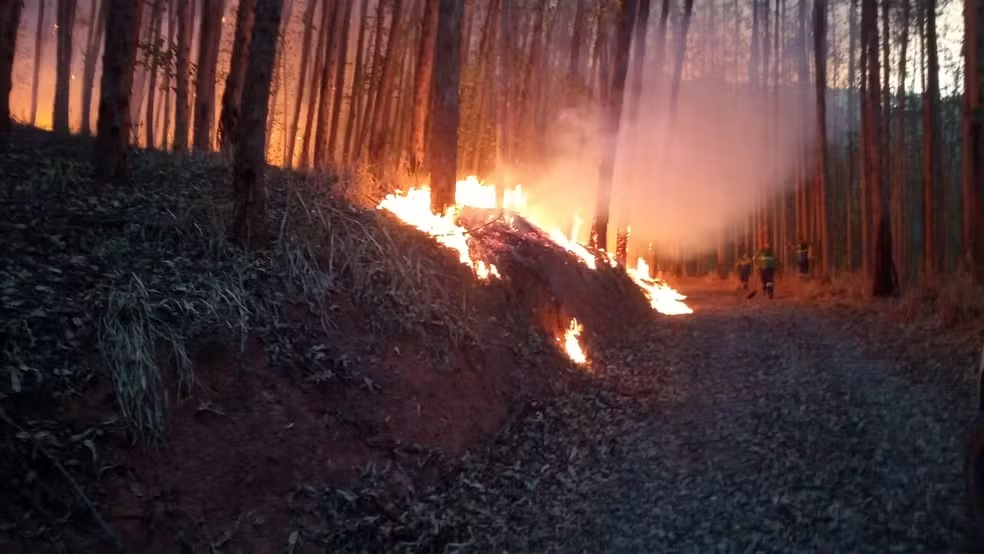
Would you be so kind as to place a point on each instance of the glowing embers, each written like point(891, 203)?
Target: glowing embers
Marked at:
point(662, 297)
point(572, 347)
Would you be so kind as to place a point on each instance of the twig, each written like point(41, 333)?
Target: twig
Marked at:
point(68, 477)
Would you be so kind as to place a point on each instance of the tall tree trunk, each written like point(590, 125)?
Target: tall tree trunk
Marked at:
point(208, 57)
point(171, 26)
point(820, 65)
point(883, 278)
point(93, 46)
point(182, 75)
point(445, 115)
point(973, 123)
point(336, 110)
point(232, 94)
point(63, 68)
point(10, 13)
point(932, 139)
point(325, 79)
point(302, 78)
point(852, 133)
point(899, 212)
point(315, 85)
point(279, 62)
point(38, 49)
point(574, 63)
point(156, 49)
point(119, 55)
point(377, 134)
point(358, 83)
point(422, 84)
point(250, 226)
point(627, 13)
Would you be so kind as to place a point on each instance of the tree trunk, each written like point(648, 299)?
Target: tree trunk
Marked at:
point(973, 123)
point(883, 277)
point(574, 63)
point(377, 134)
point(932, 139)
point(627, 13)
point(156, 49)
point(445, 115)
point(336, 110)
point(899, 212)
point(93, 45)
point(820, 65)
point(119, 55)
point(358, 84)
point(325, 80)
point(166, 123)
point(182, 75)
point(852, 119)
point(38, 49)
point(250, 226)
point(63, 68)
point(232, 94)
point(10, 13)
point(279, 63)
point(315, 85)
point(302, 77)
point(422, 84)
point(208, 56)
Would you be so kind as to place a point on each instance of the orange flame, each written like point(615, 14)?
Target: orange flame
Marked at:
point(571, 345)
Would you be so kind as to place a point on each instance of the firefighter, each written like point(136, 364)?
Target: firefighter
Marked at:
point(767, 269)
point(744, 269)
point(802, 258)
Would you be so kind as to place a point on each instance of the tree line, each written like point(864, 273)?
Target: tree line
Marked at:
point(433, 89)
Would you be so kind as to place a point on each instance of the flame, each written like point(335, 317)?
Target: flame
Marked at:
point(413, 207)
point(662, 297)
point(571, 345)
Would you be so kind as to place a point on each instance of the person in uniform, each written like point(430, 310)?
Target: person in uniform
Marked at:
point(767, 269)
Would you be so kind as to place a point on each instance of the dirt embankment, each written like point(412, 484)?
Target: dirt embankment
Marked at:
point(178, 389)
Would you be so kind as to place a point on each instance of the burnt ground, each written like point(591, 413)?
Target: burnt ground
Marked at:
point(355, 390)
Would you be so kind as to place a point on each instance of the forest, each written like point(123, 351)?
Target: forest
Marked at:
point(460, 275)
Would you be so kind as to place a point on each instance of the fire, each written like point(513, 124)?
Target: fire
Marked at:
point(413, 207)
point(571, 345)
point(663, 298)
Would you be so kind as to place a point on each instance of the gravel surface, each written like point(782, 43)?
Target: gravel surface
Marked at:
point(751, 426)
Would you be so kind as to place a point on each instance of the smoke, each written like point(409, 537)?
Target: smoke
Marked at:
point(683, 181)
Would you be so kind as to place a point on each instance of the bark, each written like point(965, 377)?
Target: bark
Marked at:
point(932, 153)
point(92, 49)
point(445, 116)
point(208, 56)
point(358, 84)
point(638, 59)
point(250, 226)
point(365, 125)
point(155, 48)
point(325, 79)
point(279, 62)
point(574, 63)
point(315, 85)
point(387, 76)
point(38, 49)
point(820, 64)
point(852, 119)
point(627, 13)
point(898, 182)
point(10, 13)
point(336, 110)
point(973, 120)
point(301, 81)
point(63, 67)
point(182, 75)
point(422, 84)
point(232, 94)
point(119, 56)
point(166, 123)
point(883, 277)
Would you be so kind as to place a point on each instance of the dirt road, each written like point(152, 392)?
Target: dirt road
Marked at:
point(751, 426)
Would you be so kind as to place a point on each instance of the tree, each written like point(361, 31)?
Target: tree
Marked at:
point(445, 116)
point(232, 94)
point(208, 56)
point(932, 139)
point(181, 76)
point(250, 223)
point(63, 69)
point(93, 44)
point(38, 50)
point(626, 17)
point(973, 124)
point(10, 12)
point(422, 84)
point(119, 55)
point(820, 64)
point(301, 80)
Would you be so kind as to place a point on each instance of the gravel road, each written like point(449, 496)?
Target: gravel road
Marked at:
point(773, 433)
point(750, 426)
